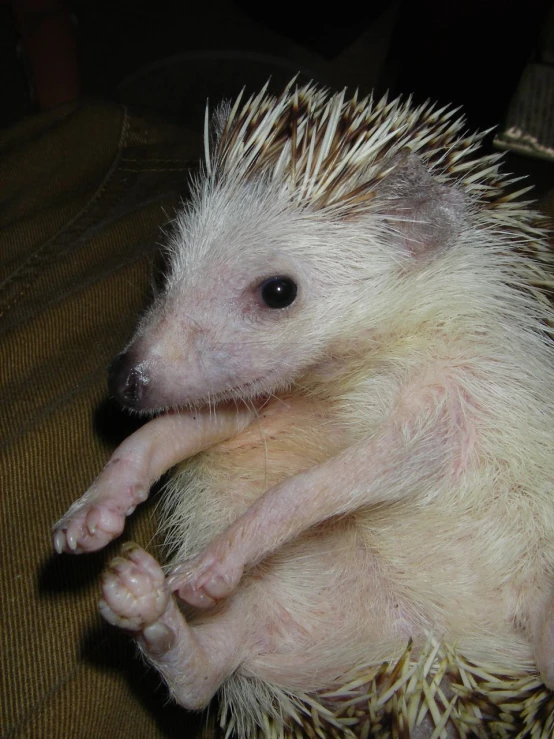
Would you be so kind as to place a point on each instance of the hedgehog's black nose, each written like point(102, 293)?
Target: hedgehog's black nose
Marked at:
point(128, 380)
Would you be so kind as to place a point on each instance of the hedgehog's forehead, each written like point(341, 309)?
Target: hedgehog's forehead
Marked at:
point(254, 230)
point(234, 224)
point(226, 206)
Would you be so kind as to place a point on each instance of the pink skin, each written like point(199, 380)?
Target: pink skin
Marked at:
point(193, 661)
point(426, 438)
point(99, 515)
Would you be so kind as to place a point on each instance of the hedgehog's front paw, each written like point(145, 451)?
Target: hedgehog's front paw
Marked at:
point(87, 527)
point(203, 581)
point(134, 590)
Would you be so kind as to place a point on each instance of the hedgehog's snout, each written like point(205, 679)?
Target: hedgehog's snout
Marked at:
point(128, 381)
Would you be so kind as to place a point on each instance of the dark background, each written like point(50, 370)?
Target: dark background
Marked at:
point(469, 52)
point(168, 56)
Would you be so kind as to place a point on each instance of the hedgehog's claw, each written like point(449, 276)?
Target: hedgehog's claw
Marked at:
point(207, 579)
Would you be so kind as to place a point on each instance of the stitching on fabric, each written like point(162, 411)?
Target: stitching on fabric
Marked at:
point(29, 267)
point(51, 692)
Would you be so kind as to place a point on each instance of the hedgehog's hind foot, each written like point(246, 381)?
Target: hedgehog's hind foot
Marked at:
point(137, 599)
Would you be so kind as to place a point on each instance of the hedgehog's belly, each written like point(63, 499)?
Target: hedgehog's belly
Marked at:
point(323, 602)
point(216, 487)
point(326, 588)
point(339, 591)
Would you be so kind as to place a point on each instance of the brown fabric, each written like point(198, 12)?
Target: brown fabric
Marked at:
point(83, 191)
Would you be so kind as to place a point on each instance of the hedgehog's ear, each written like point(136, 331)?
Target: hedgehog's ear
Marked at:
point(423, 216)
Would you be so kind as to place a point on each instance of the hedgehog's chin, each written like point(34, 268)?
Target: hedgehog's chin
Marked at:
point(253, 395)
point(211, 405)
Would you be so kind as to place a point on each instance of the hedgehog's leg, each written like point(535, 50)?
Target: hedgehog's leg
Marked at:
point(99, 516)
point(192, 660)
point(427, 442)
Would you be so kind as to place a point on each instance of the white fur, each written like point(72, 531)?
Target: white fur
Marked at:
point(418, 299)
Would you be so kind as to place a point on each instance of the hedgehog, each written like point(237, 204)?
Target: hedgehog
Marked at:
point(350, 370)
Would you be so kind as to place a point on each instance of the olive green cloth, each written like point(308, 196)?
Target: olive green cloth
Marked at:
point(84, 190)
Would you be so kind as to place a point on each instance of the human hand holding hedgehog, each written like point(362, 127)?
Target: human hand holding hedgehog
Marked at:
point(351, 353)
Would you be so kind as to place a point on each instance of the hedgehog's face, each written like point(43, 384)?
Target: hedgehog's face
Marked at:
point(254, 297)
point(196, 347)
point(260, 290)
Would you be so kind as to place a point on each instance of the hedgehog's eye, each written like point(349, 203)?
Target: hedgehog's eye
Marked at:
point(277, 292)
